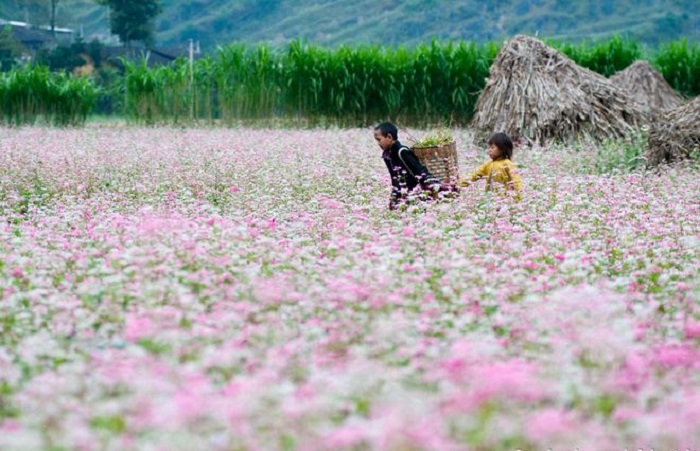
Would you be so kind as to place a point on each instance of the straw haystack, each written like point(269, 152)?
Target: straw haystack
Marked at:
point(537, 92)
point(647, 88)
point(676, 136)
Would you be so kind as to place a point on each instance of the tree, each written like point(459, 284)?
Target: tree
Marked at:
point(132, 20)
point(62, 57)
point(10, 49)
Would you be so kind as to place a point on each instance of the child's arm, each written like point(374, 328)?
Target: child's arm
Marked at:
point(480, 172)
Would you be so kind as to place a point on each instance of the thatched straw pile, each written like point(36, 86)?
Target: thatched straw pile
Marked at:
point(676, 136)
point(647, 88)
point(537, 92)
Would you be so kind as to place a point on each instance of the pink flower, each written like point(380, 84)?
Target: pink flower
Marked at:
point(675, 356)
point(10, 426)
point(549, 423)
point(511, 380)
point(346, 437)
point(623, 414)
point(138, 327)
point(692, 330)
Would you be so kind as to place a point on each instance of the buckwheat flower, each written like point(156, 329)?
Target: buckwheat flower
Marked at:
point(550, 424)
point(691, 330)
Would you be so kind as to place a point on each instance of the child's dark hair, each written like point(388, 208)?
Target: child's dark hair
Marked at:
point(503, 142)
point(388, 129)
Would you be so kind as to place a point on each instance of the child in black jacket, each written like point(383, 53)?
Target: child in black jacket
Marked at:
point(405, 169)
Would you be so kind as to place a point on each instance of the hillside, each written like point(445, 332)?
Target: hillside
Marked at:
point(336, 22)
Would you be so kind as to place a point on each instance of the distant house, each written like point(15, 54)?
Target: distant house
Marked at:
point(35, 38)
point(30, 39)
point(155, 56)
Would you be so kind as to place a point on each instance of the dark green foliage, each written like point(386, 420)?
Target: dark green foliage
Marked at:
point(62, 57)
point(10, 49)
point(132, 20)
point(94, 49)
point(110, 91)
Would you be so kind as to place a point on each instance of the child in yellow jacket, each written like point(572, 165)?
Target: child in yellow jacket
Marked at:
point(498, 169)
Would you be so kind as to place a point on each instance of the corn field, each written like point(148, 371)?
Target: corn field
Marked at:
point(605, 58)
point(346, 86)
point(30, 95)
point(433, 83)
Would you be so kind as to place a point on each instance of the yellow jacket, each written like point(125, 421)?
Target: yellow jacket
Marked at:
point(499, 171)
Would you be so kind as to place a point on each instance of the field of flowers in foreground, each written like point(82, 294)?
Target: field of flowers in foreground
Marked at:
point(249, 290)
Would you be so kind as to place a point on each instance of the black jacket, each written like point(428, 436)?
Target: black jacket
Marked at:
point(406, 171)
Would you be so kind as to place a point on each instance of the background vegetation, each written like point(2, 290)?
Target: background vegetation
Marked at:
point(349, 86)
point(336, 22)
point(432, 83)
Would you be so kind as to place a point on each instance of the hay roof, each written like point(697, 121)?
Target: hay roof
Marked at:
point(648, 88)
point(676, 136)
point(536, 91)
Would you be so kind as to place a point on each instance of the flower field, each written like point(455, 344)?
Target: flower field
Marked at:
point(248, 289)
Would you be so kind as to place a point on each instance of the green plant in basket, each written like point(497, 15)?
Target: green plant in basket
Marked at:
point(438, 138)
point(438, 153)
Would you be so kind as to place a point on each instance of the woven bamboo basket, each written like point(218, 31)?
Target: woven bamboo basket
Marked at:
point(441, 161)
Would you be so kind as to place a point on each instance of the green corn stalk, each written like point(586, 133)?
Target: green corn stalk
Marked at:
point(33, 94)
point(679, 62)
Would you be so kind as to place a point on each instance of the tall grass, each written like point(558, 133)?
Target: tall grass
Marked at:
point(34, 94)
